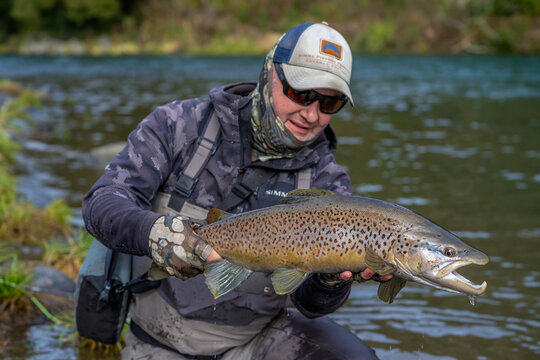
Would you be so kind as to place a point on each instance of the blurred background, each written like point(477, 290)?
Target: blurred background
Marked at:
point(446, 123)
point(250, 27)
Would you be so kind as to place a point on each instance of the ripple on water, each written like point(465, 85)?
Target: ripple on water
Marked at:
point(512, 176)
point(42, 342)
point(442, 122)
point(412, 201)
point(530, 233)
point(350, 140)
point(532, 280)
point(472, 234)
point(368, 188)
point(507, 295)
point(374, 337)
point(391, 354)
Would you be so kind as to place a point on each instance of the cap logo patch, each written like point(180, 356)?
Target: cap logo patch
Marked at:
point(330, 48)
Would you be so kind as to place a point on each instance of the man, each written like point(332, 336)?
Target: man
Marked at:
point(277, 130)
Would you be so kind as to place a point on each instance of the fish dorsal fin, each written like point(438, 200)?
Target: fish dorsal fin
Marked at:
point(299, 195)
point(216, 215)
point(285, 281)
point(309, 192)
point(223, 276)
point(388, 290)
point(377, 263)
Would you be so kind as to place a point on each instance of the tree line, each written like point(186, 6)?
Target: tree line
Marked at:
point(372, 26)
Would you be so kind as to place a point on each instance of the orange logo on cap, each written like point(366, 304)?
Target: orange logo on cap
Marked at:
point(330, 48)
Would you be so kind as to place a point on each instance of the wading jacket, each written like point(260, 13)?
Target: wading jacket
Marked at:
point(117, 209)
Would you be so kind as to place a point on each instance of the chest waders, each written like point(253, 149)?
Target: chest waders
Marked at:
point(108, 278)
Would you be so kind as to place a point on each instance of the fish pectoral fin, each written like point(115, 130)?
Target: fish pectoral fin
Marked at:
point(377, 263)
point(299, 195)
point(216, 215)
point(223, 276)
point(388, 290)
point(285, 281)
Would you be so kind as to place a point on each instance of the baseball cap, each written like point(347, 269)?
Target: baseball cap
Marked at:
point(314, 55)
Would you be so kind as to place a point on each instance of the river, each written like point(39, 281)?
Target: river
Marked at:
point(456, 139)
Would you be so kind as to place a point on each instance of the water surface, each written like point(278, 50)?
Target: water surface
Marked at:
point(456, 139)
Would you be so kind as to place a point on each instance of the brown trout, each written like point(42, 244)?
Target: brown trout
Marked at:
point(316, 231)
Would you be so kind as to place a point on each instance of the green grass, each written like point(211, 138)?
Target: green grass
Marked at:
point(21, 222)
point(13, 298)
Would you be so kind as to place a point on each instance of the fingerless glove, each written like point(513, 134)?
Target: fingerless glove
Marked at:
point(176, 248)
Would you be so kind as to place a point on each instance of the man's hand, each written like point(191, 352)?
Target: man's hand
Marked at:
point(177, 249)
point(213, 256)
point(346, 276)
point(365, 275)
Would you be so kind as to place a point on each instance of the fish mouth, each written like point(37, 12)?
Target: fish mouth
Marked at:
point(449, 279)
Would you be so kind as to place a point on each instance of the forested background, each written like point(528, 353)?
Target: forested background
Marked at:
point(250, 27)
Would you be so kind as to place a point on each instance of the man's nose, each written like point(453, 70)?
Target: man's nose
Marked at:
point(311, 112)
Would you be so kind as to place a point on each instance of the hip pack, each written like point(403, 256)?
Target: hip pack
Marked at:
point(100, 309)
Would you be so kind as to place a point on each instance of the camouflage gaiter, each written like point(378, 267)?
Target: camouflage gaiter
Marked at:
point(271, 138)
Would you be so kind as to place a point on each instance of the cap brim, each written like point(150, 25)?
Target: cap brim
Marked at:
point(302, 78)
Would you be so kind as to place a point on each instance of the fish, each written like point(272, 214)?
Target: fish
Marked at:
point(317, 231)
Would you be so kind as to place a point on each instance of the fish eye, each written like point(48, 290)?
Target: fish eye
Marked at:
point(449, 252)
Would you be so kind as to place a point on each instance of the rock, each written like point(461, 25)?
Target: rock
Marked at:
point(102, 155)
point(47, 278)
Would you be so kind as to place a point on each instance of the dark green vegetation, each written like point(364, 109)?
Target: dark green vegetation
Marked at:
point(250, 27)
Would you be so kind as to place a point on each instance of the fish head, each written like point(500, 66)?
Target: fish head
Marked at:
point(431, 255)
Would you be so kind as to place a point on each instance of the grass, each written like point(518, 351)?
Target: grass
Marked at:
point(24, 224)
point(21, 222)
point(13, 297)
point(68, 254)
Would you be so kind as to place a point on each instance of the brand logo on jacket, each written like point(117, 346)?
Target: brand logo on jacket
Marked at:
point(271, 192)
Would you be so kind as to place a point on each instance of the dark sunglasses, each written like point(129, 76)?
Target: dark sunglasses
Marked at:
point(327, 104)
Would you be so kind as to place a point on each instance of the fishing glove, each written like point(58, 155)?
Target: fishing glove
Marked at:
point(176, 248)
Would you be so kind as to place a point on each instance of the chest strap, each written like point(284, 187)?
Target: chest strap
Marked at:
point(243, 189)
point(206, 146)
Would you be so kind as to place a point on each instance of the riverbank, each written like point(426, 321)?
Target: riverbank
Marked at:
point(241, 27)
point(31, 237)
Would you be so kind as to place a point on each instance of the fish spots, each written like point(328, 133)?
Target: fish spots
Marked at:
point(320, 233)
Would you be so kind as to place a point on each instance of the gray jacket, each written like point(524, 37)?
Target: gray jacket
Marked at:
point(117, 209)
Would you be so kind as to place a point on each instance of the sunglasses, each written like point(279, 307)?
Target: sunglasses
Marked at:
point(327, 104)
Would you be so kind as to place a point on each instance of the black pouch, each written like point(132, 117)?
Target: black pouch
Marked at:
point(101, 296)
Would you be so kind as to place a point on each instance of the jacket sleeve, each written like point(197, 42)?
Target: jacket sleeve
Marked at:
point(117, 209)
point(313, 298)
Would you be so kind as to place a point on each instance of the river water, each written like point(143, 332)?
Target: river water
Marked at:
point(456, 139)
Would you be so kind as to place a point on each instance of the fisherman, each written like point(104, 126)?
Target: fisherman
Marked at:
point(271, 137)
